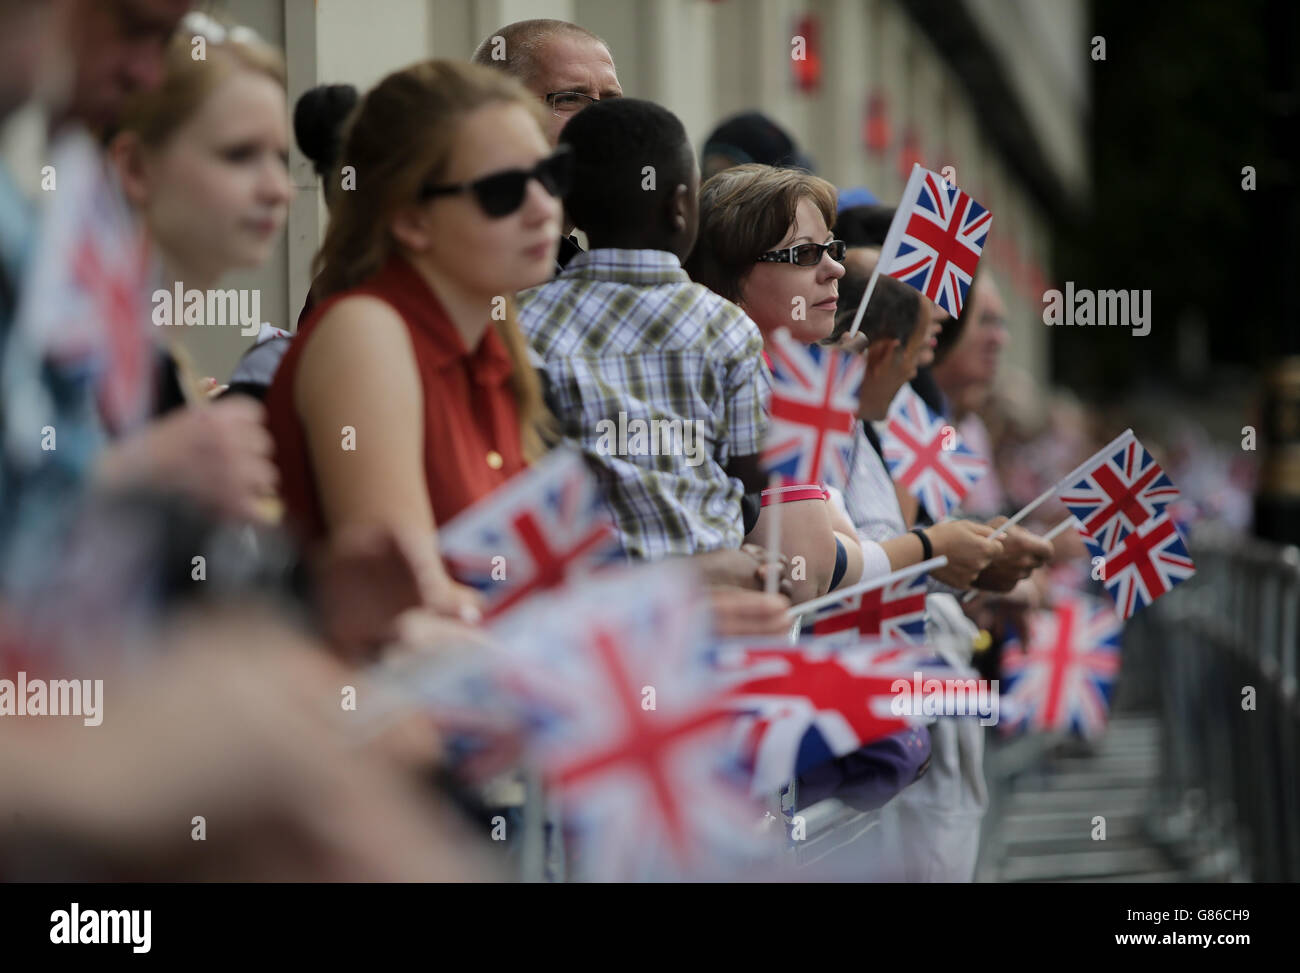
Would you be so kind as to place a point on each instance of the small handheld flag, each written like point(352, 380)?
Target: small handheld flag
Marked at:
point(895, 613)
point(628, 727)
point(1061, 677)
point(805, 704)
point(535, 532)
point(934, 242)
point(926, 456)
point(1118, 492)
point(1144, 565)
point(814, 409)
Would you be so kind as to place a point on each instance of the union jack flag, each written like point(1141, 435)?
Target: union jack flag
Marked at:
point(1062, 676)
point(935, 239)
point(628, 725)
point(85, 308)
point(1144, 565)
point(1186, 514)
point(1124, 489)
point(806, 704)
point(926, 456)
point(458, 689)
point(546, 526)
point(814, 408)
point(894, 613)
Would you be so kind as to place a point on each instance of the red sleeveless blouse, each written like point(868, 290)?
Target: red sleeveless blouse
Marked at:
point(471, 423)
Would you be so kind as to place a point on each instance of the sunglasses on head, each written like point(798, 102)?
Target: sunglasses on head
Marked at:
point(805, 254)
point(501, 193)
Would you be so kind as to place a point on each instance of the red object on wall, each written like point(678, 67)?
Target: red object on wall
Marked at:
point(808, 69)
point(877, 135)
point(909, 153)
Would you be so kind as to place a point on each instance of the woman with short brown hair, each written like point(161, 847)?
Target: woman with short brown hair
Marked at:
point(765, 233)
point(765, 243)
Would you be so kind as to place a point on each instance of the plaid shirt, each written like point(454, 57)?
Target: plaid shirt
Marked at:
point(661, 384)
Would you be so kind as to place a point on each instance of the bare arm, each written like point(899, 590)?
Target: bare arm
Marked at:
point(908, 504)
point(848, 536)
point(358, 375)
point(806, 534)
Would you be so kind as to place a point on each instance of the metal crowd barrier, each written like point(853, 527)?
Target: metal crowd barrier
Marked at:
point(1224, 650)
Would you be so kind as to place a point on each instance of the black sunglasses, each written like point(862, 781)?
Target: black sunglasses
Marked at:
point(501, 193)
point(806, 254)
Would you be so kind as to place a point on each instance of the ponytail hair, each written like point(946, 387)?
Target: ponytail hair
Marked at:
point(318, 121)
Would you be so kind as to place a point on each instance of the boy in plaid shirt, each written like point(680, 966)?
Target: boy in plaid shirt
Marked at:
point(659, 380)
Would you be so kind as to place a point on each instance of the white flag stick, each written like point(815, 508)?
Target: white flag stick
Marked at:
point(892, 239)
point(1026, 511)
point(1059, 529)
point(862, 304)
point(1049, 536)
point(1062, 482)
point(872, 585)
point(773, 581)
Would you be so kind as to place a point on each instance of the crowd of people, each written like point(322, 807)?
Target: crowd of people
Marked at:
point(457, 329)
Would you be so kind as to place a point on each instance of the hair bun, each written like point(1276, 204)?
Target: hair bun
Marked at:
point(318, 119)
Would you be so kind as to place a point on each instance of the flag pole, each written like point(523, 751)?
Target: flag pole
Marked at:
point(1026, 510)
point(892, 238)
point(1059, 529)
point(862, 304)
point(1063, 481)
point(872, 585)
point(1051, 535)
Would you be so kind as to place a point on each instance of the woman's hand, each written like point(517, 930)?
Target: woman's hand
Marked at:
point(455, 600)
point(738, 613)
point(217, 455)
point(1022, 552)
point(746, 568)
point(968, 547)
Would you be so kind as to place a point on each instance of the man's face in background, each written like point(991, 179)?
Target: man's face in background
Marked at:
point(967, 372)
point(32, 33)
point(571, 62)
point(117, 49)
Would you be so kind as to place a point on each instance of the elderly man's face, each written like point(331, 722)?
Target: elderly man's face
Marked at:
point(967, 373)
point(568, 62)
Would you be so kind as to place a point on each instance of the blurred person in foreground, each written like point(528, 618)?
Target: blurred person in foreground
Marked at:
point(238, 723)
point(234, 725)
point(202, 161)
point(78, 355)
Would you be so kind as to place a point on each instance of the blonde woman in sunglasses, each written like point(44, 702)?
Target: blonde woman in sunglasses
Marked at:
point(407, 394)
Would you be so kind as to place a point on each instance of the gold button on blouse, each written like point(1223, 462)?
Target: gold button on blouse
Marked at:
point(494, 459)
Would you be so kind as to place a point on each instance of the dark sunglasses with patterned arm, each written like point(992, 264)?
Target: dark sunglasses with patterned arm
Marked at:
point(806, 254)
